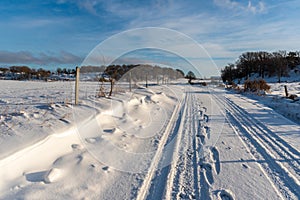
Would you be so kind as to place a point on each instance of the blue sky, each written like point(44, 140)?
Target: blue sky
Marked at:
point(63, 32)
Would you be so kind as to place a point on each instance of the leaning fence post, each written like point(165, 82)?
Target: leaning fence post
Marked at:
point(130, 81)
point(286, 91)
point(77, 85)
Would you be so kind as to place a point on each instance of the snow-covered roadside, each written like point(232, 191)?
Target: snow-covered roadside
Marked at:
point(276, 99)
point(129, 123)
point(32, 110)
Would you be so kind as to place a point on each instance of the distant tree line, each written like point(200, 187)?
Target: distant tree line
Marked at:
point(140, 71)
point(113, 72)
point(262, 63)
point(26, 73)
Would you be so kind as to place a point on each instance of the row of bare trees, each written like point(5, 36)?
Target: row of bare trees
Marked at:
point(138, 72)
point(24, 72)
point(262, 63)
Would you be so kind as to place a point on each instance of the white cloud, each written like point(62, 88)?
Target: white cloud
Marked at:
point(259, 8)
point(234, 5)
point(227, 4)
point(222, 34)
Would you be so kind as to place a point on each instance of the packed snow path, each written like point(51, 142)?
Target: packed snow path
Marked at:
point(263, 132)
point(214, 145)
point(270, 141)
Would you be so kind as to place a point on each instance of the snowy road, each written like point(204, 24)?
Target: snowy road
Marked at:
point(267, 154)
point(278, 159)
point(213, 145)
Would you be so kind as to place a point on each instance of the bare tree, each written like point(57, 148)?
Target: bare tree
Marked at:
point(280, 64)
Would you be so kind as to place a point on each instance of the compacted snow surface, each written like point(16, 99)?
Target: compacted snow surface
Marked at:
point(171, 141)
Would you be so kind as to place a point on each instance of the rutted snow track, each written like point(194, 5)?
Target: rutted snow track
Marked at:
point(192, 164)
point(281, 164)
point(195, 159)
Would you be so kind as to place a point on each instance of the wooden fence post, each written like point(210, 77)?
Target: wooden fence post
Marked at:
point(77, 86)
point(286, 91)
point(130, 81)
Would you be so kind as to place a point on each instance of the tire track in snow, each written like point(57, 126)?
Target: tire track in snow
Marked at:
point(191, 172)
point(194, 175)
point(196, 171)
point(273, 146)
point(188, 173)
point(272, 139)
point(259, 140)
point(155, 176)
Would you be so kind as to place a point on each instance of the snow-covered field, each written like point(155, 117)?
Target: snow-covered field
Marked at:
point(162, 142)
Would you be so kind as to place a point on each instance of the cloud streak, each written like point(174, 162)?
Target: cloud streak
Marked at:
point(26, 57)
point(234, 5)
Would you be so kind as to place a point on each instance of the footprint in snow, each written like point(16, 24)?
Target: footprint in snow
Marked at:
point(201, 113)
point(225, 195)
point(207, 130)
point(216, 158)
point(204, 185)
point(202, 139)
point(207, 169)
point(206, 118)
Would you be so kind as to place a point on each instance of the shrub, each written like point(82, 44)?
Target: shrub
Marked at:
point(293, 97)
point(256, 85)
point(203, 83)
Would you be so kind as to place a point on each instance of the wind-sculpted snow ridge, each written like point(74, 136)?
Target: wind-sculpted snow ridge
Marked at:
point(62, 165)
